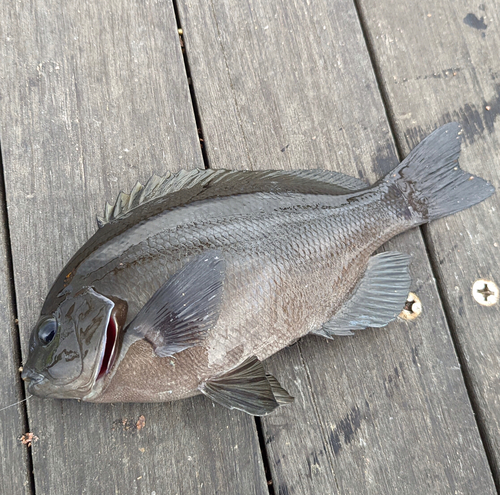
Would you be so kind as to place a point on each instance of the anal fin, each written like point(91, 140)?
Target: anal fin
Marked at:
point(247, 388)
point(378, 298)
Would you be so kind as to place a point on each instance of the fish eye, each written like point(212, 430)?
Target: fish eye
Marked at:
point(47, 331)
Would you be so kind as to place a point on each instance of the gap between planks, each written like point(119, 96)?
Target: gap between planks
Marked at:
point(15, 337)
point(194, 101)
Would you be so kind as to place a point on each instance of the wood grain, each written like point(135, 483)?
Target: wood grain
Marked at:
point(440, 63)
point(292, 86)
point(95, 97)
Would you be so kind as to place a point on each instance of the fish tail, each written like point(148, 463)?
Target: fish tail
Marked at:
point(432, 181)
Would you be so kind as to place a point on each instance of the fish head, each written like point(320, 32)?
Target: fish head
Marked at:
point(74, 347)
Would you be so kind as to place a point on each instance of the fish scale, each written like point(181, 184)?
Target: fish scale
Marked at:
point(250, 274)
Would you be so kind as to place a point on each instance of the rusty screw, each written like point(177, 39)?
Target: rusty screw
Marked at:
point(485, 292)
point(413, 307)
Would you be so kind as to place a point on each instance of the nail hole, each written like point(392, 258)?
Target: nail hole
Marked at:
point(412, 309)
point(485, 292)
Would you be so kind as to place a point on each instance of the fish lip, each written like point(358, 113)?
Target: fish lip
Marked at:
point(32, 378)
point(32, 387)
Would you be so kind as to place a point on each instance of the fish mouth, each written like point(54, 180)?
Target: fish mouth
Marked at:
point(33, 381)
point(109, 347)
point(32, 378)
point(111, 339)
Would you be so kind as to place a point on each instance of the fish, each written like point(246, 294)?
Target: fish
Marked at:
point(194, 279)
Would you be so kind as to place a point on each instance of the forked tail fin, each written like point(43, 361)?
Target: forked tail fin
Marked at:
point(432, 181)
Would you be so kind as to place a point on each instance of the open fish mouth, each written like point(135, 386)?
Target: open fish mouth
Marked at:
point(112, 336)
point(109, 347)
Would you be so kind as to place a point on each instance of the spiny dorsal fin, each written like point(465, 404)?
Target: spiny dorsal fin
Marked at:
point(204, 184)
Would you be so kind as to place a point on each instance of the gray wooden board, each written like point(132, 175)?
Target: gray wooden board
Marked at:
point(291, 86)
point(94, 96)
point(439, 62)
point(13, 454)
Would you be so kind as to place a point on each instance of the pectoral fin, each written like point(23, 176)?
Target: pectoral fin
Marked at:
point(377, 300)
point(180, 313)
point(247, 388)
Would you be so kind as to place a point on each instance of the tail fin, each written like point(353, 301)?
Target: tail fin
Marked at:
point(432, 181)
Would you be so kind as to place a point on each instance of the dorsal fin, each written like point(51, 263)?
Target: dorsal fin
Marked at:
point(204, 184)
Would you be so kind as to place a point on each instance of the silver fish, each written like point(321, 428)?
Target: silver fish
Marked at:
point(194, 279)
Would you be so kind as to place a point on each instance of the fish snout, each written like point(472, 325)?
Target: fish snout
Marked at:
point(31, 376)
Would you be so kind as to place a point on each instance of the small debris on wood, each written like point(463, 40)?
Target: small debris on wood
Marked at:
point(28, 438)
point(132, 425)
point(141, 422)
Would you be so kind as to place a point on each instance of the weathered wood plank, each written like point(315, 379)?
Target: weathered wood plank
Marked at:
point(440, 63)
point(14, 465)
point(385, 411)
point(94, 97)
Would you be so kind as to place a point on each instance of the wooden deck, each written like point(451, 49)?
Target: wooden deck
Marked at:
point(96, 95)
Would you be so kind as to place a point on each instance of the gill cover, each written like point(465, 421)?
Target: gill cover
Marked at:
point(67, 348)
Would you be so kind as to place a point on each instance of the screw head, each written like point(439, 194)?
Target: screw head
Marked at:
point(485, 292)
point(412, 309)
